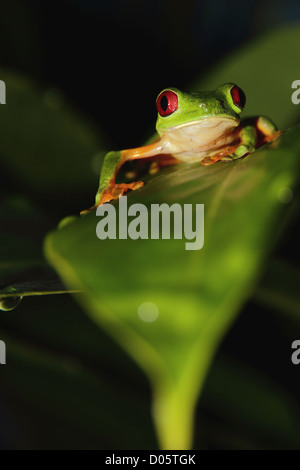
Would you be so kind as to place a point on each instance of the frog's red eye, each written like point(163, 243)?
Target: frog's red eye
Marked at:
point(238, 97)
point(167, 103)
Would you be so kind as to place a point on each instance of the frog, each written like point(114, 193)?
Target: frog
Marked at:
point(191, 127)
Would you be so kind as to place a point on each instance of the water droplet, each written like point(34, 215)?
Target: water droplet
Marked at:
point(285, 195)
point(148, 312)
point(9, 303)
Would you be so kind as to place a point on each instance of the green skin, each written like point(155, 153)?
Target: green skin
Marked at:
point(205, 127)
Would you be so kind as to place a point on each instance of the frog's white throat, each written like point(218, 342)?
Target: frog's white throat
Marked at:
point(196, 140)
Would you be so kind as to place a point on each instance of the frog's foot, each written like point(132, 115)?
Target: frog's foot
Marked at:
point(115, 191)
point(267, 130)
point(87, 211)
point(242, 151)
point(225, 155)
point(162, 162)
point(227, 158)
point(209, 161)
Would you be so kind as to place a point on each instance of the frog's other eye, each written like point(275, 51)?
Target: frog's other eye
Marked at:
point(167, 103)
point(238, 97)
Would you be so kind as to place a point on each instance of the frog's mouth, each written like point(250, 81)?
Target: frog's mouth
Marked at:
point(198, 139)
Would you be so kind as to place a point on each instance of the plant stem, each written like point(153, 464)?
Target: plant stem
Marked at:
point(173, 418)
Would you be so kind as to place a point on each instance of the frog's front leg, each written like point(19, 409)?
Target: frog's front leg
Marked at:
point(252, 134)
point(108, 188)
point(259, 131)
point(244, 143)
point(266, 129)
point(247, 144)
point(113, 161)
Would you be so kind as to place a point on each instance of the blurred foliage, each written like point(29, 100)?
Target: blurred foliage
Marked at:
point(280, 289)
point(63, 380)
point(67, 384)
point(266, 69)
point(46, 146)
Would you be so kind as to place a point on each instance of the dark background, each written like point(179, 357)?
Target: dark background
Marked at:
point(110, 59)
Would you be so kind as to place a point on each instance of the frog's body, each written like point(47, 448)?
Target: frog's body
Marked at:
point(191, 127)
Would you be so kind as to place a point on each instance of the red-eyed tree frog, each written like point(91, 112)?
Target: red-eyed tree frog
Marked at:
point(191, 127)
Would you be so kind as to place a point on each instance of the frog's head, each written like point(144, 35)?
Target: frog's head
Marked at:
point(220, 108)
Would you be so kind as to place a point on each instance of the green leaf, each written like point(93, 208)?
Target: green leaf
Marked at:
point(196, 293)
